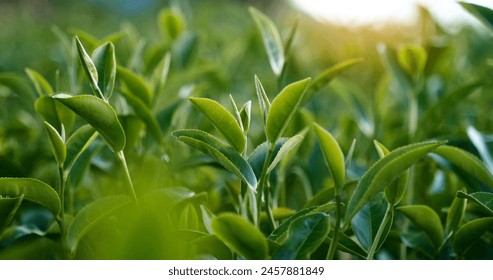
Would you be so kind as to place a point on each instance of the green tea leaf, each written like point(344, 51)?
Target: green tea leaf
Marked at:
point(271, 39)
point(207, 217)
point(305, 235)
point(145, 114)
point(135, 85)
point(368, 220)
point(346, 244)
point(55, 113)
point(224, 155)
point(385, 171)
point(395, 191)
point(455, 215)
point(263, 99)
point(283, 108)
point(105, 63)
point(467, 162)
point(99, 114)
point(479, 143)
point(78, 142)
point(278, 214)
point(17, 84)
point(412, 58)
point(8, 208)
point(223, 121)
point(334, 158)
point(91, 215)
point(290, 144)
point(246, 115)
point(89, 68)
point(171, 24)
point(33, 190)
point(257, 157)
point(57, 144)
point(483, 199)
point(241, 236)
point(40, 83)
point(469, 233)
point(189, 218)
point(484, 14)
point(327, 76)
point(212, 245)
point(426, 219)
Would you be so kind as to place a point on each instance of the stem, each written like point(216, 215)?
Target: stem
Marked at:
point(413, 117)
point(61, 218)
point(268, 210)
point(128, 179)
point(376, 241)
point(335, 238)
point(261, 185)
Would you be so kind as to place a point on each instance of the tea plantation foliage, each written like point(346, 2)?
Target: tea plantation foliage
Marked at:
point(238, 133)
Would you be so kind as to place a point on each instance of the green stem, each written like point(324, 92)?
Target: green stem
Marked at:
point(261, 190)
point(268, 209)
point(61, 218)
point(378, 236)
point(128, 179)
point(335, 238)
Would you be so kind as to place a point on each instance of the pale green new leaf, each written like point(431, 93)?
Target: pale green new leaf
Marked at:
point(483, 199)
point(91, 215)
point(105, 63)
point(241, 236)
point(469, 233)
point(223, 120)
point(426, 219)
point(40, 83)
point(455, 215)
point(385, 171)
point(246, 115)
point(224, 155)
point(289, 145)
point(412, 58)
point(171, 24)
point(283, 108)
point(305, 235)
point(89, 68)
point(57, 144)
point(271, 39)
point(78, 142)
point(55, 113)
point(33, 190)
point(333, 155)
point(263, 99)
point(467, 162)
point(136, 85)
point(99, 114)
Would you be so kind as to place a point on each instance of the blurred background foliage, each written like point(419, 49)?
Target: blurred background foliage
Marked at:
point(218, 54)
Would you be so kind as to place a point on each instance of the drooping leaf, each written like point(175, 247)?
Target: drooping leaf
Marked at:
point(223, 120)
point(224, 155)
point(105, 63)
point(78, 142)
point(263, 99)
point(18, 85)
point(135, 85)
point(33, 190)
point(271, 39)
point(57, 144)
point(483, 199)
point(89, 68)
point(395, 191)
point(484, 14)
point(455, 215)
point(290, 144)
point(99, 114)
point(91, 215)
point(467, 162)
point(368, 220)
point(241, 236)
point(469, 233)
point(334, 158)
point(283, 108)
point(327, 76)
point(41, 85)
point(305, 235)
point(426, 219)
point(8, 208)
point(171, 24)
point(385, 171)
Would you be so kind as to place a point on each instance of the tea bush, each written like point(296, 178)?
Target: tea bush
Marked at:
point(210, 141)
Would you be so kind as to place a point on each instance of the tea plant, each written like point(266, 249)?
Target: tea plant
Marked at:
point(252, 182)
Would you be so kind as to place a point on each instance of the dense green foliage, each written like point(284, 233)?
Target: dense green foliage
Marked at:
point(204, 138)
